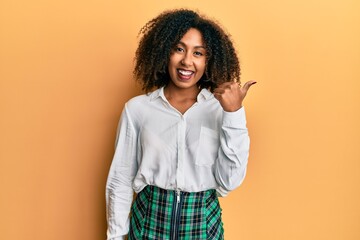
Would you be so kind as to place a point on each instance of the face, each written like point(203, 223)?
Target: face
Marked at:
point(187, 60)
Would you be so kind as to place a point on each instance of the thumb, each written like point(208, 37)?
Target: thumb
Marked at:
point(248, 84)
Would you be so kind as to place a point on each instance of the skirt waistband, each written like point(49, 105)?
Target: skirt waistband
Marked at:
point(157, 190)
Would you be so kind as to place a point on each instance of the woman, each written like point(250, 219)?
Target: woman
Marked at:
point(185, 142)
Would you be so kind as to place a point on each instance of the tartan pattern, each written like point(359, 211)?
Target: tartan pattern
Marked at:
point(151, 215)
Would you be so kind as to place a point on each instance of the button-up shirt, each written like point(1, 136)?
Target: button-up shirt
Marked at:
point(204, 148)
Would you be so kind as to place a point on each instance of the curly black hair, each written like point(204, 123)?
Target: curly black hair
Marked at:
point(162, 33)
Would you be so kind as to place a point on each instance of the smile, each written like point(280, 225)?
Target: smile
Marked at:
point(185, 72)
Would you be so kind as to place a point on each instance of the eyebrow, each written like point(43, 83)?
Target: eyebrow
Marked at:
point(194, 47)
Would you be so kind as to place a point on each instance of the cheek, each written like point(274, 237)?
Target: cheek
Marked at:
point(201, 66)
point(172, 62)
point(170, 65)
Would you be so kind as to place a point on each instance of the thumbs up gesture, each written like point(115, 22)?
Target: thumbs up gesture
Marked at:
point(231, 95)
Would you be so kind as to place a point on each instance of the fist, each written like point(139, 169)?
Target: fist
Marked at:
point(231, 95)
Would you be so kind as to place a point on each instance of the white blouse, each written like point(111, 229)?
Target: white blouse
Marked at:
point(204, 148)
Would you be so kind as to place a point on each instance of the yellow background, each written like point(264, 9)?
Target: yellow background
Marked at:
point(66, 72)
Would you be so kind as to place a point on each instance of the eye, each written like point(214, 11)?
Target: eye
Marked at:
point(198, 54)
point(179, 49)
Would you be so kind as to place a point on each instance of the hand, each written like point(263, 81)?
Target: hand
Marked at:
point(231, 95)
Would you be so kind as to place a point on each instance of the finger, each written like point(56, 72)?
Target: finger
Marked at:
point(226, 84)
point(248, 84)
point(217, 96)
point(219, 90)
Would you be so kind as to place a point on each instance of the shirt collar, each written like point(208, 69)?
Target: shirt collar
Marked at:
point(157, 93)
point(203, 95)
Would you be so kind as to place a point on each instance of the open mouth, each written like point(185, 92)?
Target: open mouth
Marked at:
point(185, 74)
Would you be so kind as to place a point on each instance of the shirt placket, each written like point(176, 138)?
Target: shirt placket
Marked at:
point(180, 175)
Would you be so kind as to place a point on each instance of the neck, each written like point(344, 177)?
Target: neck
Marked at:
point(171, 91)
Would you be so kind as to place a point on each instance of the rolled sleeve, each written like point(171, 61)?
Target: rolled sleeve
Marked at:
point(119, 192)
point(233, 153)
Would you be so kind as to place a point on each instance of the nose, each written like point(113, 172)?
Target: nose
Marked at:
point(187, 59)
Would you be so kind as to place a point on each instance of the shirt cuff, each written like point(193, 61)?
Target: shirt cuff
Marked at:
point(235, 119)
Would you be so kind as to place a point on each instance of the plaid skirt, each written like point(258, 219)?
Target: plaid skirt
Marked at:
point(166, 214)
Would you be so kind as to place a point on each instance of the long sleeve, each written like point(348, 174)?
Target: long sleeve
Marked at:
point(119, 192)
point(230, 169)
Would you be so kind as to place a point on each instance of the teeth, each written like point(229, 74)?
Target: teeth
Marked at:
point(186, 73)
